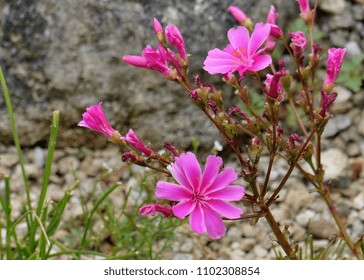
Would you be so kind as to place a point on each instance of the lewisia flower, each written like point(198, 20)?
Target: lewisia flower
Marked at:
point(202, 195)
point(242, 54)
point(152, 209)
point(304, 6)
point(133, 140)
point(272, 16)
point(334, 62)
point(305, 9)
point(326, 101)
point(175, 38)
point(94, 118)
point(150, 59)
point(299, 41)
point(237, 13)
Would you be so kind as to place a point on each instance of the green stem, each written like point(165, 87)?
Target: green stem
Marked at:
point(15, 136)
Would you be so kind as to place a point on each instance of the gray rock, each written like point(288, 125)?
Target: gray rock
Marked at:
point(66, 55)
point(352, 49)
point(39, 157)
point(182, 256)
point(247, 244)
point(297, 197)
point(357, 228)
point(358, 201)
point(260, 252)
point(335, 125)
point(8, 160)
point(332, 6)
point(305, 216)
point(321, 228)
point(342, 102)
point(334, 162)
point(361, 127)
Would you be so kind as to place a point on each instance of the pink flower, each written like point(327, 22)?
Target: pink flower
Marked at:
point(150, 59)
point(95, 119)
point(304, 6)
point(306, 13)
point(152, 209)
point(175, 38)
point(237, 13)
point(334, 63)
point(274, 86)
point(242, 54)
point(133, 140)
point(272, 15)
point(157, 26)
point(326, 101)
point(299, 41)
point(275, 31)
point(202, 195)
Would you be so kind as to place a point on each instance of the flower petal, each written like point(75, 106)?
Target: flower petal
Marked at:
point(239, 38)
point(222, 180)
point(182, 209)
point(192, 170)
point(220, 62)
point(231, 193)
point(225, 209)
point(261, 62)
point(260, 34)
point(212, 167)
point(197, 221)
point(170, 191)
point(214, 224)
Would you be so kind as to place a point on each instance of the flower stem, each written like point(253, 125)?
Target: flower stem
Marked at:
point(282, 240)
point(326, 195)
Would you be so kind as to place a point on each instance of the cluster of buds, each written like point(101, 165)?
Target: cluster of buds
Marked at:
point(163, 59)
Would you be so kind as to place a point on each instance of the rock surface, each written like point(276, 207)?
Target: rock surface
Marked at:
point(65, 55)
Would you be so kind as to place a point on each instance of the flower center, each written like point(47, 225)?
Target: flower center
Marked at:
point(198, 197)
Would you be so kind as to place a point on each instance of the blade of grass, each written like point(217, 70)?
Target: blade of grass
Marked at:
point(56, 213)
point(97, 204)
point(47, 172)
point(15, 136)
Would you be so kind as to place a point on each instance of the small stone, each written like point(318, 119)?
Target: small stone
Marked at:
point(320, 244)
point(305, 216)
point(332, 6)
point(353, 149)
point(357, 228)
point(187, 246)
point(321, 228)
point(361, 214)
point(39, 157)
point(352, 49)
point(247, 244)
point(358, 201)
point(342, 102)
point(183, 256)
point(297, 197)
point(281, 212)
point(237, 254)
point(334, 162)
point(67, 164)
point(234, 233)
point(335, 125)
point(260, 252)
point(8, 160)
point(361, 127)
point(298, 232)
